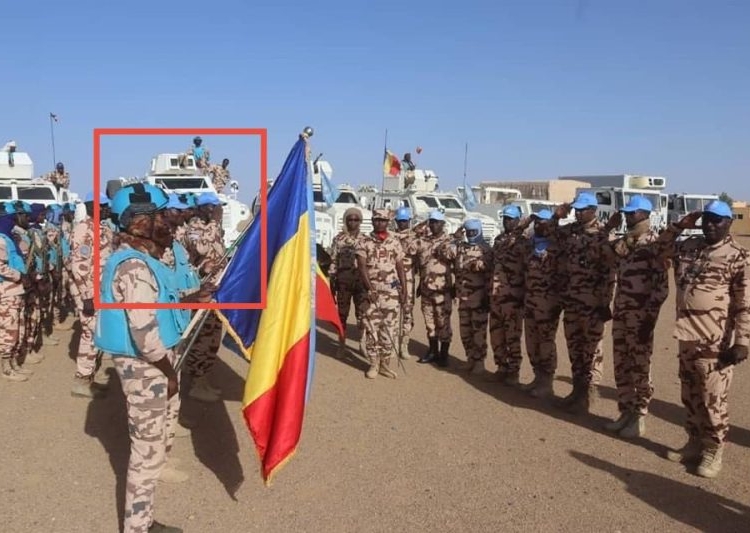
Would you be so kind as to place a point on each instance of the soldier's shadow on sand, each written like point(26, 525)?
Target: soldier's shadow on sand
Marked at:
point(106, 420)
point(214, 438)
point(327, 344)
point(677, 500)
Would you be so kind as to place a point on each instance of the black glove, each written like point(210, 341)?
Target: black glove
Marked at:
point(88, 308)
point(734, 355)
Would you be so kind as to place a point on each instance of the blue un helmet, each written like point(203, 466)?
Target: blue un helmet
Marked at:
point(208, 198)
point(139, 198)
point(103, 200)
point(403, 213)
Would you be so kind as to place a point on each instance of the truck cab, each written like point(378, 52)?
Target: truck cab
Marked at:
point(611, 199)
point(17, 182)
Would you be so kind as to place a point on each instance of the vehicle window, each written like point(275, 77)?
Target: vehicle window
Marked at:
point(429, 200)
point(604, 198)
point(346, 198)
point(6, 193)
point(450, 203)
point(35, 193)
point(693, 204)
point(174, 184)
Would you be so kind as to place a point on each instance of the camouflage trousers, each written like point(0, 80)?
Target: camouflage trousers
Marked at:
point(347, 291)
point(506, 326)
point(202, 356)
point(584, 331)
point(540, 331)
point(381, 325)
point(705, 393)
point(473, 329)
point(68, 298)
point(220, 181)
point(151, 424)
point(408, 308)
point(88, 356)
point(10, 318)
point(633, 345)
point(437, 308)
point(29, 320)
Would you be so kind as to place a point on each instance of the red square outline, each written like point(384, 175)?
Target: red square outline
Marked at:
point(263, 133)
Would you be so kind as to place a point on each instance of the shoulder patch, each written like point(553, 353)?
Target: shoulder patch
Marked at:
point(85, 250)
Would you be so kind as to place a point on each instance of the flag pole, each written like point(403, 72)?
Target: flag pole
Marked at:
point(466, 157)
point(52, 135)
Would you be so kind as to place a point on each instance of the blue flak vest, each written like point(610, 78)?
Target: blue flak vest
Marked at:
point(198, 152)
point(187, 277)
point(38, 257)
point(15, 259)
point(112, 334)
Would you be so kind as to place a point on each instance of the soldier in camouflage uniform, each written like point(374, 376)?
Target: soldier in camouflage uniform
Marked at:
point(23, 239)
point(148, 378)
point(713, 328)
point(542, 308)
point(58, 177)
point(82, 275)
point(346, 282)
point(219, 175)
point(43, 285)
point(436, 290)
point(204, 234)
point(506, 299)
point(380, 264)
point(13, 283)
point(408, 239)
point(472, 260)
point(589, 281)
point(642, 287)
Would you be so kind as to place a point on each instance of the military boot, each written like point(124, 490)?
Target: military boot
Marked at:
point(82, 388)
point(543, 388)
point(34, 358)
point(710, 464)
point(10, 374)
point(636, 427)
point(431, 351)
point(616, 425)
point(442, 360)
point(385, 369)
point(585, 400)
point(374, 369)
point(156, 527)
point(20, 369)
point(689, 453)
point(405, 355)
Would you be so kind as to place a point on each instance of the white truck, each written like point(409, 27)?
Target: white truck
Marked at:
point(614, 191)
point(680, 204)
point(167, 173)
point(17, 181)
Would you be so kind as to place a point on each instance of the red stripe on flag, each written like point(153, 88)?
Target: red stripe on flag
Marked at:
point(325, 307)
point(275, 418)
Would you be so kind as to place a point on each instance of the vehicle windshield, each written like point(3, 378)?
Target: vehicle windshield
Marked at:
point(538, 206)
point(654, 198)
point(6, 193)
point(693, 204)
point(35, 193)
point(318, 196)
point(429, 200)
point(347, 198)
point(450, 203)
point(175, 184)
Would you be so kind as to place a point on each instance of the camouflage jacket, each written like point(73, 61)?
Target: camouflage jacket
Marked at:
point(408, 241)
point(473, 270)
point(82, 257)
point(542, 280)
point(435, 272)
point(11, 279)
point(509, 250)
point(343, 257)
point(380, 259)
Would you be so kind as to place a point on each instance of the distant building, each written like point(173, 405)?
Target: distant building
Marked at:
point(553, 190)
point(741, 216)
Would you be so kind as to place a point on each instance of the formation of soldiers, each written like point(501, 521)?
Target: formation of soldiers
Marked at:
point(538, 271)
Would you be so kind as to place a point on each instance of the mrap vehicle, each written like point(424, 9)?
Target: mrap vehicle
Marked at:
point(17, 181)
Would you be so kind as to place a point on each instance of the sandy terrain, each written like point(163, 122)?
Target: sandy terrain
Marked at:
point(434, 450)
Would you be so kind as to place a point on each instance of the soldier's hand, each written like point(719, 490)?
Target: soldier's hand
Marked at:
point(88, 308)
point(26, 281)
point(614, 222)
point(525, 222)
point(173, 386)
point(734, 355)
point(562, 211)
point(689, 221)
point(459, 234)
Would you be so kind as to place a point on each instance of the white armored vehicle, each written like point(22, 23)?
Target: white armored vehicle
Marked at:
point(167, 173)
point(681, 204)
point(17, 181)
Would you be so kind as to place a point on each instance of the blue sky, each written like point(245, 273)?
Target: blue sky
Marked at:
point(538, 89)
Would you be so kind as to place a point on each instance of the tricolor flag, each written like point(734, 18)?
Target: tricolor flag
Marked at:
point(391, 165)
point(279, 341)
point(53, 117)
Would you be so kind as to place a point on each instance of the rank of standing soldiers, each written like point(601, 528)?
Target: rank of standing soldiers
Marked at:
point(539, 271)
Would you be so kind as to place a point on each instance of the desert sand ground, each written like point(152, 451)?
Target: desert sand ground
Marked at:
point(434, 450)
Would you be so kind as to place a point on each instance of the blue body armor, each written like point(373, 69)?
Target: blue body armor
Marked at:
point(187, 277)
point(15, 259)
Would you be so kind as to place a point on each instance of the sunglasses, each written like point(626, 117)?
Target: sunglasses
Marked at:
point(353, 219)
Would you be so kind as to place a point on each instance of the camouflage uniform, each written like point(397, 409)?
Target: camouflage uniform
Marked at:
point(408, 240)
point(151, 415)
point(30, 301)
point(589, 284)
point(11, 302)
point(82, 275)
point(208, 247)
point(542, 307)
point(473, 270)
point(41, 295)
point(436, 286)
point(642, 287)
point(219, 177)
point(506, 302)
point(346, 280)
point(60, 180)
point(381, 318)
point(713, 313)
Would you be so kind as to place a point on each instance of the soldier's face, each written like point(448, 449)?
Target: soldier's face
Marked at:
point(402, 224)
point(162, 230)
point(353, 222)
point(632, 219)
point(225, 164)
point(472, 233)
point(22, 219)
point(380, 225)
point(509, 224)
point(715, 228)
point(436, 226)
point(541, 228)
point(584, 216)
point(174, 217)
point(104, 211)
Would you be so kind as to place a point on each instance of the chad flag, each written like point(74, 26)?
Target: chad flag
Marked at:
point(279, 340)
point(391, 165)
